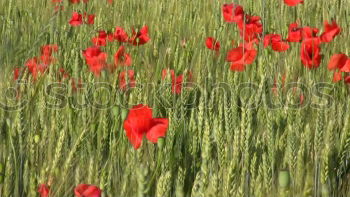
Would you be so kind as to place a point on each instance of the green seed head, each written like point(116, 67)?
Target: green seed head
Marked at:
point(36, 139)
point(124, 114)
point(283, 178)
point(115, 111)
point(325, 190)
point(1, 168)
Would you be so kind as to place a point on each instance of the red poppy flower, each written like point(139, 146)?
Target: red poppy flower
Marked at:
point(47, 50)
point(41, 63)
point(337, 61)
point(330, 31)
point(165, 73)
point(76, 20)
point(85, 190)
point(95, 59)
point(294, 33)
point(43, 190)
point(250, 28)
point(110, 37)
point(212, 44)
point(232, 13)
point(340, 63)
point(346, 67)
point(124, 76)
point(101, 39)
point(309, 32)
point(297, 34)
point(46, 60)
point(275, 40)
point(89, 19)
point(176, 86)
point(46, 53)
point(293, 2)
point(122, 58)
point(110, 1)
point(280, 46)
point(140, 37)
point(310, 53)
point(120, 35)
point(269, 38)
point(301, 98)
point(176, 81)
point(140, 122)
point(241, 56)
point(34, 67)
point(16, 73)
point(337, 76)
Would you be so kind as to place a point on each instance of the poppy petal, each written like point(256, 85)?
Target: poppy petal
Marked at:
point(237, 67)
point(85, 190)
point(280, 46)
point(337, 61)
point(346, 67)
point(337, 76)
point(293, 2)
point(159, 129)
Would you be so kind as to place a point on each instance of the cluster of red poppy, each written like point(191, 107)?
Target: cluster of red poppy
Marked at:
point(139, 121)
point(39, 64)
point(120, 35)
point(251, 29)
point(82, 190)
point(96, 59)
point(79, 19)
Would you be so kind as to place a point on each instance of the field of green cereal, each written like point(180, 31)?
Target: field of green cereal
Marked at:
point(276, 129)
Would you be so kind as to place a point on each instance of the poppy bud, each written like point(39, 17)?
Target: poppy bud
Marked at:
point(283, 178)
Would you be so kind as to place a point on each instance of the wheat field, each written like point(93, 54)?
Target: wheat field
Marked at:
point(276, 129)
